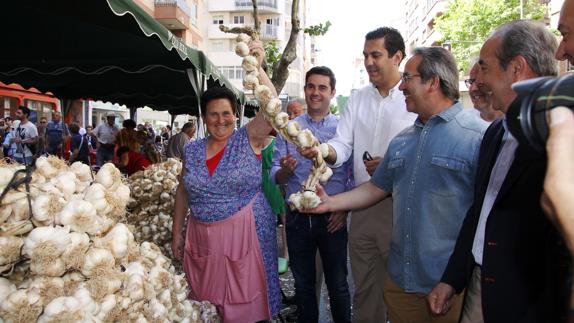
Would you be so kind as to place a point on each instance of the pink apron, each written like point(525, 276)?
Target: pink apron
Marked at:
point(223, 265)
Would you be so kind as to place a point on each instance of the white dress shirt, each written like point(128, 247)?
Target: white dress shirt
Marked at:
point(368, 123)
point(499, 171)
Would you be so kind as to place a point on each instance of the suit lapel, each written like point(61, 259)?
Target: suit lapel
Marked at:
point(491, 147)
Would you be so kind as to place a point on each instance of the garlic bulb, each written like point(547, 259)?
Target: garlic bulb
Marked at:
point(306, 138)
point(118, 240)
point(109, 176)
point(295, 200)
point(251, 81)
point(324, 149)
point(21, 306)
point(263, 94)
point(47, 288)
point(6, 288)
point(44, 246)
point(82, 171)
point(98, 261)
point(45, 208)
point(310, 200)
point(281, 120)
point(242, 49)
point(10, 247)
point(66, 183)
point(63, 309)
point(75, 251)
point(250, 63)
point(293, 129)
point(273, 107)
point(50, 166)
point(81, 216)
point(325, 175)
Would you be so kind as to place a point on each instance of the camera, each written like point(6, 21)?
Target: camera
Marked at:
point(527, 115)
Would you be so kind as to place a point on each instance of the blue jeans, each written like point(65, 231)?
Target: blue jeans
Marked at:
point(104, 154)
point(306, 234)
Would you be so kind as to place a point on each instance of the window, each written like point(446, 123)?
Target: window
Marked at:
point(218, 46)
point(239, 20)
point(194, 13)
point(218, 20)
point(232, 72)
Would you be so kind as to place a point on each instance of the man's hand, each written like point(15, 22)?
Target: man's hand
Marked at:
point(371, 165)
point(337, 221)
point(324, 207)
point(177, 245)
point(439, 298)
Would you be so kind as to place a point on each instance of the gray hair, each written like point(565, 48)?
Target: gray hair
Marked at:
point(437, 61)
point(188, 125)
point(530, 40)
point(298, 100)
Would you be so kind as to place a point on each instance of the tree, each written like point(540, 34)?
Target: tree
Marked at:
point(467, 23)
point(279, 62)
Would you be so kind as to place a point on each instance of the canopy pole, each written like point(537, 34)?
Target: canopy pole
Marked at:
point(198, 87)
point(133, 113)
point(242, 116)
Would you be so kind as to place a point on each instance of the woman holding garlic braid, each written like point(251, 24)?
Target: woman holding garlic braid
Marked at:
point(230, 248)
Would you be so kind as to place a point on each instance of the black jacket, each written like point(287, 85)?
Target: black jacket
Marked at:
point(525, 266)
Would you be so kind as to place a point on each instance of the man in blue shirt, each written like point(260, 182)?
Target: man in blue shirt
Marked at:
point(56, 132)
point(429, 168)
point(326, 232)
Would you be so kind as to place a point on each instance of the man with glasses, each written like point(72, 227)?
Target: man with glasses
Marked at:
point(429, 169)
point(480, 98)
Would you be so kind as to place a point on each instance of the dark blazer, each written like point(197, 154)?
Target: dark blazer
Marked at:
point(525, 266)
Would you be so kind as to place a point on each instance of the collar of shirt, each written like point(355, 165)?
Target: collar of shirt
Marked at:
point(321, 122)
point(392, 93)
point(447, 115)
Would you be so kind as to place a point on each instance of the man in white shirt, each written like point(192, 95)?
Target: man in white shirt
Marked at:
point(372, 117)
point(25, 136)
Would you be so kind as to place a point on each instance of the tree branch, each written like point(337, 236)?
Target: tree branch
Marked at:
point(281, 72)
point(239, 30)
point(256, 17)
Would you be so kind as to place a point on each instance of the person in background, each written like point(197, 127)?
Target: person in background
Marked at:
point(126, 137)
point(130, 162)
point(175, 144)
point(56, 133)
point(105, 134)
point(481, 100)
point(9, 148)
point(41, 136)
point(296, 108)
point(148, 148)
point(25, 136)
point(158, 144)
point(78, 146)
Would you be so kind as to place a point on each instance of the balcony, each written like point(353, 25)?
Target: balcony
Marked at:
point(264, 6)
point(269, 32)
point(173, 14)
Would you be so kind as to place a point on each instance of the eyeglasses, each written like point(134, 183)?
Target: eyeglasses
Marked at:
point(469, 82)
point(407, 77)
point(42, 121)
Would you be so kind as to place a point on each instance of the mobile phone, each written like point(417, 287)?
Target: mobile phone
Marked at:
point(367, 156)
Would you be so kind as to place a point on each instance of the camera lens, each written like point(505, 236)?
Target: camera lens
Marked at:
point(528, 114)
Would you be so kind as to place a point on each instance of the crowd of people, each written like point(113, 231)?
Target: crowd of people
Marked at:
point(133, 148)
point(446, 222)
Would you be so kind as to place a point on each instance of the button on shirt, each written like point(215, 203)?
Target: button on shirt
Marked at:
point(499, 171)
point(430, 170)
point(105, 133)
point(368, 123)
point(323, 131)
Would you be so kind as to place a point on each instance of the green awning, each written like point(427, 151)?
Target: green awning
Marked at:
point(102, 50)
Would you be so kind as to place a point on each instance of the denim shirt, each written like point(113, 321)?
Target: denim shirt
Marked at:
point(430, 170)
point(342, 179)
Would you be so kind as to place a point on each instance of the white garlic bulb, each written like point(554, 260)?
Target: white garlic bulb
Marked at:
point(281, 120)
point(293, 129)
point(263, 94)
point(324, 149)
point(250, 63)
point(109, 176)
point(273, 107)
point(81, 216)
point(242, 49)
point(325, 175)
point(251, 81)
point(310, 200)
point(243, 38)
point(306, 138)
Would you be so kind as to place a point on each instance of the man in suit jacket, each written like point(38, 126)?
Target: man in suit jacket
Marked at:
point(508, 256)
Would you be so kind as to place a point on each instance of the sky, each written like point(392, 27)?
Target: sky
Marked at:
point(350, 20)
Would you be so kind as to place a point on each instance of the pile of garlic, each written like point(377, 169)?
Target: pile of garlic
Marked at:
point(290, 130)
point(151, 206)
point(65, 257)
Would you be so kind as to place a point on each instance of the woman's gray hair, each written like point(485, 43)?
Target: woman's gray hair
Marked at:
point(528, 39)
point(437, 61)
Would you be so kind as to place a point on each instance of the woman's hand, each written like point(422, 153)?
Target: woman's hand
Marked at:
point(177, 245)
